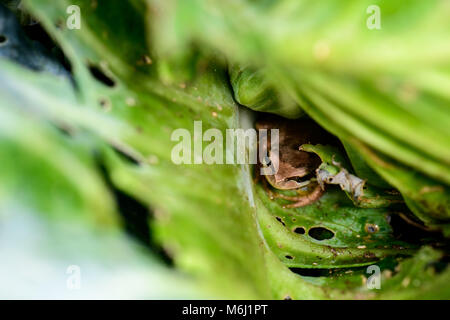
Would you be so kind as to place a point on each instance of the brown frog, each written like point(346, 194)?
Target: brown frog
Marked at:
point(296, 168)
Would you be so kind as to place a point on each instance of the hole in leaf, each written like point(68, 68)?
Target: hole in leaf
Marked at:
point(101, 76)
point(289, 257)
point(305, 272)
point(320, 233)
point(105, 104)
point(299, 230)
point(281, 221)
point(371, 228)
point(3, 39)
point(325, 272)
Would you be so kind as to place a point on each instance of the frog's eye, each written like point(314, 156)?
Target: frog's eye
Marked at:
point(266, 161)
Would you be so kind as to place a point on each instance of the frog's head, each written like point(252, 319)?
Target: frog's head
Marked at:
point(295, 167)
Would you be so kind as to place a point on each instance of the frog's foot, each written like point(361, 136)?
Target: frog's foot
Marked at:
point(304, 200)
